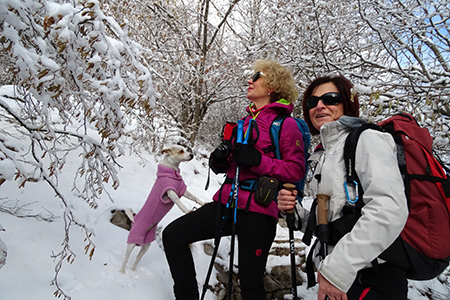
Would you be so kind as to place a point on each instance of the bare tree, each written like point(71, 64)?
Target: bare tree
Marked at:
point(192, 56)
point(396, 52)
point(414, 35)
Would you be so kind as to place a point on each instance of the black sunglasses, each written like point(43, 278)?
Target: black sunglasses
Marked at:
point(327, 99)
point(256, 76)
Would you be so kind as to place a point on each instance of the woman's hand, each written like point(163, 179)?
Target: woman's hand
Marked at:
point(327, 289)
point(286, 199)
point(246, 155)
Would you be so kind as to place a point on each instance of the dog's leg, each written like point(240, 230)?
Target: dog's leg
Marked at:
point(174, 197)
point(141, 253)
point(192, 197)
point(130, 248)
point(130, 214)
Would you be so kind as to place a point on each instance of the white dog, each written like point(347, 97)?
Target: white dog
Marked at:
point(167, 190)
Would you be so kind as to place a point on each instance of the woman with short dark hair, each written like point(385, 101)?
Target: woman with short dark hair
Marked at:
point(352, 269)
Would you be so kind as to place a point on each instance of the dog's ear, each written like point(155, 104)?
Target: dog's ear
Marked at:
point(165, 151)
point(185, 143)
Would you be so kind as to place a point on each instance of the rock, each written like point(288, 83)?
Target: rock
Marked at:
point(271, 284)
point(208, 248)
point(119, 218)
point(283, 275)
point(277, 282)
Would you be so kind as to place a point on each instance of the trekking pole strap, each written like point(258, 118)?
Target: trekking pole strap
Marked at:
point(309, 231)
point(311, 278)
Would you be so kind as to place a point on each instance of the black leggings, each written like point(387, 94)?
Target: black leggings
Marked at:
point(255, 234)
point(387, 282)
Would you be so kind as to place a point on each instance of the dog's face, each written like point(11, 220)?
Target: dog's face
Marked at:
point(177, 154)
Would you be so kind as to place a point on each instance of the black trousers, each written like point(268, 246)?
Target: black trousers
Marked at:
point(385, 282)
point(255, 233)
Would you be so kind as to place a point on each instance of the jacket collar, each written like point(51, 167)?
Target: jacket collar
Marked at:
point(332, 132)
point(282, 107)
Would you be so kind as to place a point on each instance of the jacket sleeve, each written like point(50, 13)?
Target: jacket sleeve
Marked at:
point(383, 216)
point(291, 168)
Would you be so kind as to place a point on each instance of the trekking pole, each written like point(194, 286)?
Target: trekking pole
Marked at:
point(323, 232)
point(234, 196)
point(211, 264)
point(213, 256)
point(290, 220)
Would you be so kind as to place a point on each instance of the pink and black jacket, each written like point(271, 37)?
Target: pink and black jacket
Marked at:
point(291, 168)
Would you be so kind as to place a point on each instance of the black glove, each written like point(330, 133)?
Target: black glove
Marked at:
point(218, 165)
point(218, 161)
point(223, 150)
point(244, 154)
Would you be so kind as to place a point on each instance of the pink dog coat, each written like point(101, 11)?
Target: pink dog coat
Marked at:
point(155, 208)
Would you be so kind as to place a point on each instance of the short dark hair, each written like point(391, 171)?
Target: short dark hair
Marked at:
point(344, 86)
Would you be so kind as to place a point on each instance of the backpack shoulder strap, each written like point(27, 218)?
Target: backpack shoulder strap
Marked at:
point(350, 156)
point(275, 135)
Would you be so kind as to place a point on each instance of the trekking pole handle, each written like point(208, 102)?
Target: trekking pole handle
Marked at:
point(322, 209)
point(290, 187)
point(322, 230)
point(322, 223)
point(240, 131)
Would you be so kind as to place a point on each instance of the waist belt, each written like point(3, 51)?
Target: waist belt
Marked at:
point(249, 185)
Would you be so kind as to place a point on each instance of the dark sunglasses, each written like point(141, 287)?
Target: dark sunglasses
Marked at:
point(256, 76)
point(327, 99)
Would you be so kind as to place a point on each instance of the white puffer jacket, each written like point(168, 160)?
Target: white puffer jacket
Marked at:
point(385, 211)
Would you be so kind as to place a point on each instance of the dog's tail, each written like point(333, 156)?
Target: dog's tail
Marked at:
point(130, 214)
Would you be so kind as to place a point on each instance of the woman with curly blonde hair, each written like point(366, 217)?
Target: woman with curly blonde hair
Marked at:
point(271, 91)
point(279, 79)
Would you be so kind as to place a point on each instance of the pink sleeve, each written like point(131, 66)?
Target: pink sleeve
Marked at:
point(291, 168)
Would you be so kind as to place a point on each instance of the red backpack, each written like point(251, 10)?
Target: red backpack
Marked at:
point(423, 247)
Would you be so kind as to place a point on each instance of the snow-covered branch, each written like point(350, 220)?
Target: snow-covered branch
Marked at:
point(80, 79)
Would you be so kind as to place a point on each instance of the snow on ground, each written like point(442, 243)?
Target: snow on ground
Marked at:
point(29, 268)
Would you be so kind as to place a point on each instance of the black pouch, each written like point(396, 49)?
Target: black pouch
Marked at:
point(266, 191)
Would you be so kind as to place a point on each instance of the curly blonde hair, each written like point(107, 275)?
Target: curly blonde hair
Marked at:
point(278, 78)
